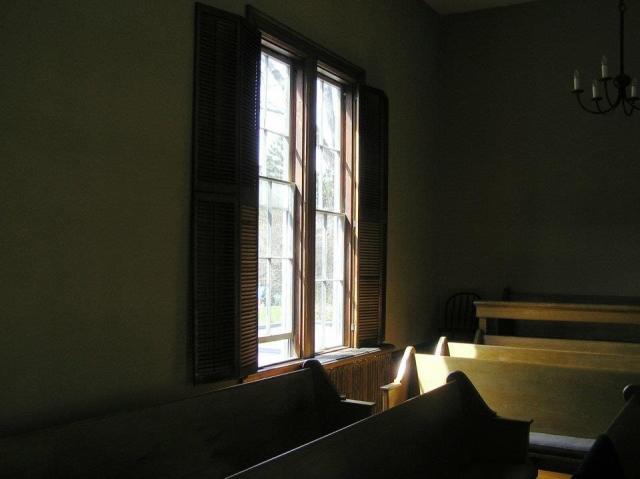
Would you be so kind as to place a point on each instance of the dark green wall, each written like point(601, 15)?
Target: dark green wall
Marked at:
point(535, 193)
point(95, 139)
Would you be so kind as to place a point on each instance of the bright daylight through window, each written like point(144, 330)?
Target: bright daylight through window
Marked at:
point(279, 327)
point(275, 250)
point(330, 219)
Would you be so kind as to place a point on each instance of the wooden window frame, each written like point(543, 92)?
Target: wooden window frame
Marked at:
point(310, 62)
point(296, 72)
point(347, 187)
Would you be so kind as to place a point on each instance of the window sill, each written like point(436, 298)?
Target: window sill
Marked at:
point(329, 360)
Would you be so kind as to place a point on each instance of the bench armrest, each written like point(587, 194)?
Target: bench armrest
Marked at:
point(390, 386)
point(348, 411)
point(358, 409)
point(405, 385)
point(393, 394)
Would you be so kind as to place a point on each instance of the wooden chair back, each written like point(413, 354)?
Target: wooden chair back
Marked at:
point(459, 321)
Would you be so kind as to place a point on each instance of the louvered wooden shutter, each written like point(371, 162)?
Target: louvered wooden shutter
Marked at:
point(372, 216)
point(225, 196)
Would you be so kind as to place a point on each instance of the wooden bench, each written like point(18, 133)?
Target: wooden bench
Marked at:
point(568, 330)
point(571, 397)
point(598, 315)
point(554, 388)
point(446, 433)
point(220, 432)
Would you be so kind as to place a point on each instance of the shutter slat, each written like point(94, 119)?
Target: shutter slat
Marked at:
point(248, 290)
point(372, 216)
point(225, 196)
point(214, 293)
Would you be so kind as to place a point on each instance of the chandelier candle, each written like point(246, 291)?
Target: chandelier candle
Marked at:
point(613, 92)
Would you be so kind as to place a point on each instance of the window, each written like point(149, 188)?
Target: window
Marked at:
point(289, 198)
point(330, 218)
point(275, 234)
point(325, 205)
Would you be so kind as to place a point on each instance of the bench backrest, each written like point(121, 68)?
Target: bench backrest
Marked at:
point(562, 400)
point(421, 431)
point(435, 435)
point(613, 322)
point(222, 432)
point(578, 359)
point(602, 347)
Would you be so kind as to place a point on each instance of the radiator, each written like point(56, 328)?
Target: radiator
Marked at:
point(361, 377)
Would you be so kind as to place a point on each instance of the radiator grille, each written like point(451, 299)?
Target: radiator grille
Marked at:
point(361, 377)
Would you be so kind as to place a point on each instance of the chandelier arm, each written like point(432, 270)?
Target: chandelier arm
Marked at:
point(628, 112)
point(584, 107)
point(612, 105)
point(632, 104)
point(605, 110)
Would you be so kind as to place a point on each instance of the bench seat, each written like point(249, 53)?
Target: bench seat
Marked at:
point(554, 452)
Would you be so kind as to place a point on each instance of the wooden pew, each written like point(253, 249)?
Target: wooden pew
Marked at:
point(571, 397)
point(446, 433)
point(568, 330)
point(564, 399)
point(596, 314)
point(220, 432)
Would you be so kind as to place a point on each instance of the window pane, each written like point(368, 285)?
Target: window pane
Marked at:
point(263, 219)
point(281, 211)
point(275, 101)
point(263, 87)
point(274, 155)
point(275, 352)
point(275, 303)
point(281, 301)
point(328, 148)
point(335, 247)
point(278, 87)
point(328, 178)
point(329, 113)
point(334, 335)
point(263, 297)
point(321, 249)
point(329, 324)
point(329, 300)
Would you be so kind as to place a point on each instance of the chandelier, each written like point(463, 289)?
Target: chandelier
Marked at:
point(625, 89)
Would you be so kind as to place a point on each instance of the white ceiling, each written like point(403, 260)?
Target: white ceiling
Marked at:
point(446, 7)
